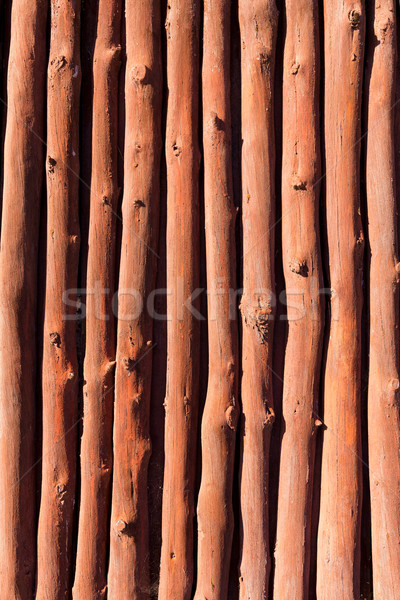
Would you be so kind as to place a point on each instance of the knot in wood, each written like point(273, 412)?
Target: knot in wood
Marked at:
point(270, 417)
point(354, 18)
point(55, 339)
point(393, 384)
point(298, 184)
point(257, 316)
point(51, 164)
point(58, 63)
point(129, 364)
point(121, 526)
point(231, 416)
point(295, 68)
point(139, 73)
point(299, 267)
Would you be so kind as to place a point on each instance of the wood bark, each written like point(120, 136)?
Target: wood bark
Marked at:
point(258, 27)
point(183, 332)
point(99, 366)
point(383, 389)
point(23, 179)
point(60, 369)
point(128, 574)
point(221, 412)
point(338, 567)
point(305, 305)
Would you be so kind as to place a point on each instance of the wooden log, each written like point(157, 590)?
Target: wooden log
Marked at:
point(23, 178)
point(383, 387)
point(128, 574)
point(221, 411)
point(60, 368)
point(338, 566)
point(99, 366)
point(258, 25)
point(305, 305)
point(183, 333)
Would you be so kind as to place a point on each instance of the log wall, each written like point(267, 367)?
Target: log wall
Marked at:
point(199, 299)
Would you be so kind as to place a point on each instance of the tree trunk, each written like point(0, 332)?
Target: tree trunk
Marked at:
point(383, 390)
point(128, 575)
point(60, 369)
point(23, 178)
point(96, 446)
point(303, 282)
point(258, 25)
point(183, 334)
point(338, 570)
point(221, 412)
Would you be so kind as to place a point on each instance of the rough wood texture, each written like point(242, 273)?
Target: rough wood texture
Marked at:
point(383, 389)
point(338, 569)
point(305, 306)
point(60, 368)
point(23, 178)
point(183, 334)
point(221, 412)
point(258, 28)
point(140, 132)
point(99, 367)
point(128, 574)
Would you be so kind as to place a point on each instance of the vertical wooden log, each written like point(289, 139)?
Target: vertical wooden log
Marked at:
point(383, 388)
point(221, 412)
point(23, 178)
point(128, 575)
point(60, 369)
point(338, 564)
point(183, 334)
point(303, 282)
point(96, 446)
point(258, 26)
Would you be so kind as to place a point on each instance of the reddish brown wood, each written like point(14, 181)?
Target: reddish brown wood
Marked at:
point(128, 575)
point(383, 389)
point(60, 369)
point(305, 306)
point(181, 402)
point(221, 412)
point(338, 569)
point(23, 178)
point(96, 445)
point(258, 27)
point(111, 549)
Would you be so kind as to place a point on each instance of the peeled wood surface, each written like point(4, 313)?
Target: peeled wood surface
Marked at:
point(99, 366)
point(22, 188)
point(221, 411)
point(128, 574)
point(60, 364)
point(305, 305)
point(247, 147)
point(384, 279)
point(183, 330)
point(338, 567)
point(258, 28)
